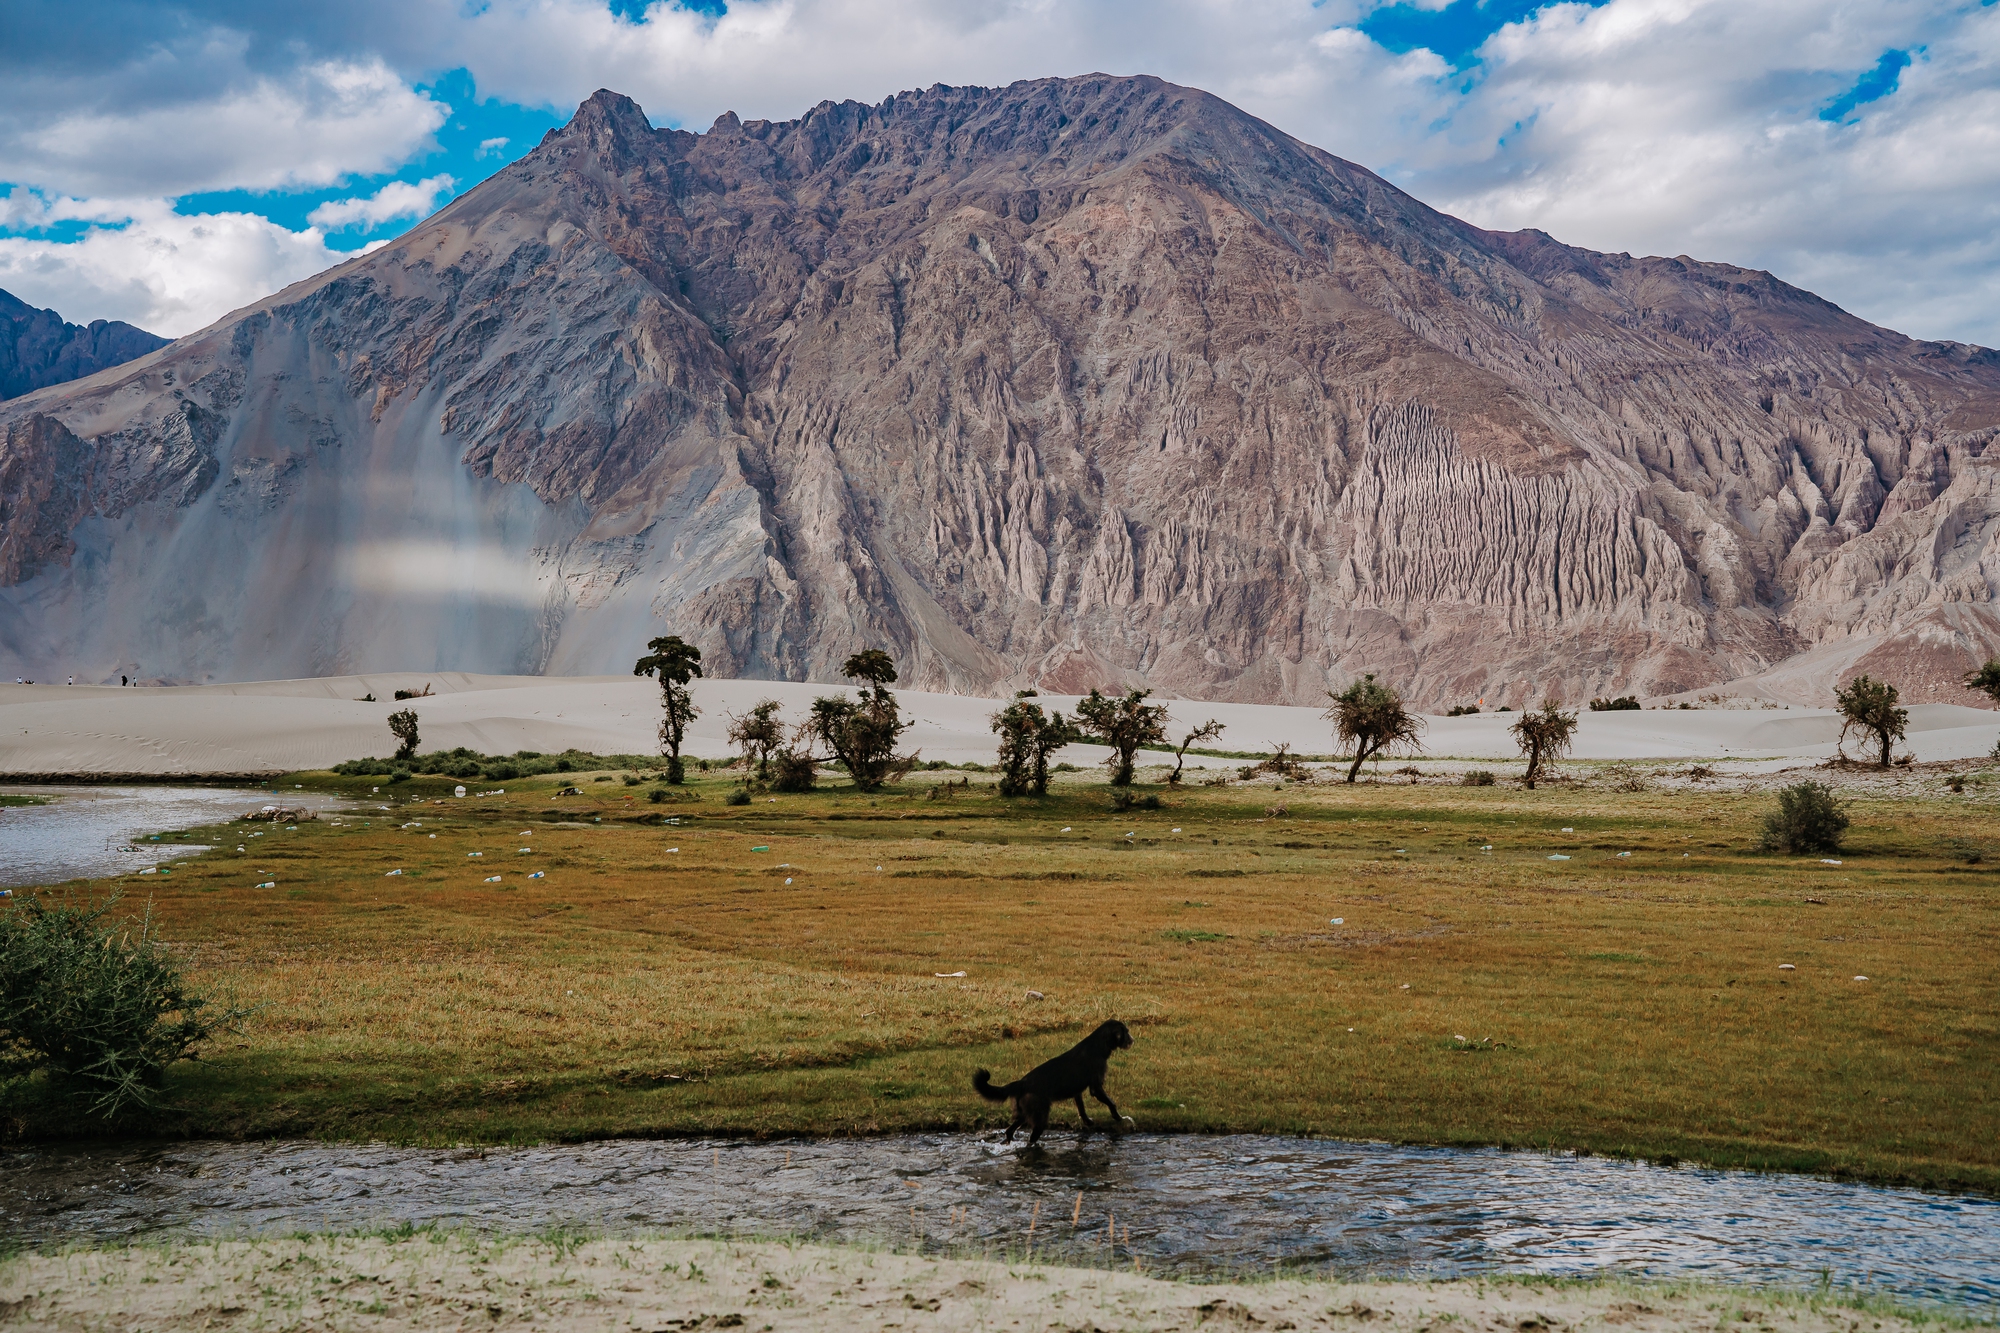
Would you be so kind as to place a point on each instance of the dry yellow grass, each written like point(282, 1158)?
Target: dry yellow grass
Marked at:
point(1617, 1004)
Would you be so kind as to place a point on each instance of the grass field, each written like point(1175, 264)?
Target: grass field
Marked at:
point(770, 969)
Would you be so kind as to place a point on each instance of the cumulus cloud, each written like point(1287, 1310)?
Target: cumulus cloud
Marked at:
point(318, 124)
point(150, 266)
point(397, 199)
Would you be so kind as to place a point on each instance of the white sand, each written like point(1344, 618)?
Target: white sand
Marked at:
point(450, 1281)
point(276, 726)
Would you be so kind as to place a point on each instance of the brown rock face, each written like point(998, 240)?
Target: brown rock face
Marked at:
point(1076, 382)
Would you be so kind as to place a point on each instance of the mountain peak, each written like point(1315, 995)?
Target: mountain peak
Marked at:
point(612, 124)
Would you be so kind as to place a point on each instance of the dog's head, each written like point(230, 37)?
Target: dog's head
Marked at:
point(1112, 1035)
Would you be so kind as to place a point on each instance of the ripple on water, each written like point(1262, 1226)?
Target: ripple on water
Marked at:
point(1190, 1203)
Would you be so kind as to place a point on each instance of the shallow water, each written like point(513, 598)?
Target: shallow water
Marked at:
point(1190, 1204)
point(87, 832)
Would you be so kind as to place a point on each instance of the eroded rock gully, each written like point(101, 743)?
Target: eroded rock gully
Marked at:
point(1075, 382)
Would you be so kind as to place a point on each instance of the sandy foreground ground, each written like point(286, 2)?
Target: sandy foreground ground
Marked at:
point(279, 726)
point(455, 1281)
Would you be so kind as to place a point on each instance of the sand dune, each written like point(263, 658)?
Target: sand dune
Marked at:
point(275, 726)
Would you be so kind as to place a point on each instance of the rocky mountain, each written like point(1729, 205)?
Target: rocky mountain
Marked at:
point(38, 348)
point(1075, 382)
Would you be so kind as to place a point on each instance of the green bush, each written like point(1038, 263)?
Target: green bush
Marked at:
point(737, 796)
point(794, 772)
point(1478, 777)
point(101, 1009)
point(1627, 704)
point(1809, 818)
point(1462, 710)
point(657, 795)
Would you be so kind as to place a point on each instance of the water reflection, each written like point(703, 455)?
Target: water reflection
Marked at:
point(1190, 1204)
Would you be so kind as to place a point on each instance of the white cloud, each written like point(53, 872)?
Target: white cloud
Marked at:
point(397, 199)
point(1692, 127)
point(321, 122)
point(156, 268)
point(493, 147)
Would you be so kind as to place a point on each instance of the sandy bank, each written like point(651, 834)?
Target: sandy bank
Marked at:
point(436, 1281)
point(279, 726)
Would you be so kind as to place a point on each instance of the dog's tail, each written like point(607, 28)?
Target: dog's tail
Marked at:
point(982, 1083)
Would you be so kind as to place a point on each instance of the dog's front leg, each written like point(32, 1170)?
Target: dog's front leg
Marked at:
point(1097, 1091)
point(1082, 1114)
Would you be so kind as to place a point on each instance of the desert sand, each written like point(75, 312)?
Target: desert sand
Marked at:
point(281, 726)
point(452, 1281)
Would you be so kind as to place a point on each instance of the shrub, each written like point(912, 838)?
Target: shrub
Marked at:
point(1372, 719)
point(631, 779)
point(1809, 818)
point(1478, 777)
point(1122, 799)
point(1462, 710)
point(657, 795)
point(737, 796)
point(502, 772)
point(1627, 704)
point(792, 771)
point(103, 1010)
point(399, 775)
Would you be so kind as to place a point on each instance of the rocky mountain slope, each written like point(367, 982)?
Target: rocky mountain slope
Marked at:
point(1075, 382)
point(39, 348)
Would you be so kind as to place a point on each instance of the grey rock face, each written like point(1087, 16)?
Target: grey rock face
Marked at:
point(39, 348)
point(1076, 382)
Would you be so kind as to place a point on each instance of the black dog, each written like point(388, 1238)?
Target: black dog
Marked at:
point(1070, 1074)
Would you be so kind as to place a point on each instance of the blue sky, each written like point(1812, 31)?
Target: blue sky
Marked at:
point(164, 162)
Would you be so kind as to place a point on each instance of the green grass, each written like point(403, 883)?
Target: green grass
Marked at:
point(1627, 1006)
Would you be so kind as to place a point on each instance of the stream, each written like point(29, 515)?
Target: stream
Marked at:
point(1189, 1204)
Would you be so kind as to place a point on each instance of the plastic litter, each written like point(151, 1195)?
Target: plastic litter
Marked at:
point(150, 870)
point(492, 879)
point(1861, 978)
point(458, 791)
point(1487, 848)
point(536, 875)
point(1177, 830)
point(673, 849)
point(764, 848)
point(268, 884)
point(527, 849)
point(1557, 856)
point(1827, 861)
point(1404, 986)
point(788, 880)
point(386, 874)
point(1786, 967)
point(470, 854)
point(948, 974)
point(1065, 828)
point(1036, 995)
point(1339, 921)
point(1567, 830)
point(1624, 853)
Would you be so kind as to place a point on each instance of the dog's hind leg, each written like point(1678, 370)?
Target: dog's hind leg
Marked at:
point(1019, 1120)
point(1097, 1091)
point(1041, 1115)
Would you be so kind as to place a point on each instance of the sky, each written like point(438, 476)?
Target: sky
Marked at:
point(165, 162)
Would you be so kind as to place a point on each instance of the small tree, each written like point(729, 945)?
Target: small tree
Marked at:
point(1028, 736)
point(1808, 819)
point(1544, 737)
point(1869, 707)
point(861, 733)
point(1372, 719)
point(102, 1009)
point(1986, 680)
point(403, 726)
point(1207, 731)
point(675, 663)
point(759, 734)
point(1124, 725)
